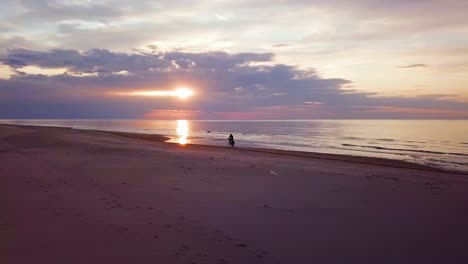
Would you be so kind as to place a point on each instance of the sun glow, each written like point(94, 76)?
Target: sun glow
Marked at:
point(181, 93)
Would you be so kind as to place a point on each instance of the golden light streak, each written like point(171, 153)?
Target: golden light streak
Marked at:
point(182, 131)
point(181, 93)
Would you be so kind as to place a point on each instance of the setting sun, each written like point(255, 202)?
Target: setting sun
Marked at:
point(181, 93)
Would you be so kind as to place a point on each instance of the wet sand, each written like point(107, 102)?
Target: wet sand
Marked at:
point(76, 196)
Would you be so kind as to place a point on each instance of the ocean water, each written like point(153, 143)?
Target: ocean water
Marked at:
point(437, 143)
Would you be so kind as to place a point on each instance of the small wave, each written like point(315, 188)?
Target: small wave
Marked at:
point(196, 137)
point(370, 151)
point(356, 138)
point(385, 139)
point(412, 141)
point(217, 139)
point(449, 162)
point(408, 145)
point(407, 150)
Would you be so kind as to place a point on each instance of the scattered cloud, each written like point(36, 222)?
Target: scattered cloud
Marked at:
point(313, 103)
point(413, 66)
point(280, 45)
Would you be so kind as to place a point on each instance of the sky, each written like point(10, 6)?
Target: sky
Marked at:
point(296, 59)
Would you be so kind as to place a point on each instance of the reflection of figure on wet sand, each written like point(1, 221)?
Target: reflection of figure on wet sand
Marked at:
point(231, 140)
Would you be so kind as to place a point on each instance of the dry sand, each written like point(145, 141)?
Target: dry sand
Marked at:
point(73, 196)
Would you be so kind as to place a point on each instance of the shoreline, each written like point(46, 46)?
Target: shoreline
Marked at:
point(305, 154)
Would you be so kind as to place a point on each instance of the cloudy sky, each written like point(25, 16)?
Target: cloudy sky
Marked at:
point(267, 59)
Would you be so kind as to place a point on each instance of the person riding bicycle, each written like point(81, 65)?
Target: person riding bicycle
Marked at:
point(231, 140)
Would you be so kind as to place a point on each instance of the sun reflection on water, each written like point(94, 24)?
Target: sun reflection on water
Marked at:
point(182, 131)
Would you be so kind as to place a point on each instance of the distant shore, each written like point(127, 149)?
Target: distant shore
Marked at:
point(83, 196)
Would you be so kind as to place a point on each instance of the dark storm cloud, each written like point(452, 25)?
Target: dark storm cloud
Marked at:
point(224, 82)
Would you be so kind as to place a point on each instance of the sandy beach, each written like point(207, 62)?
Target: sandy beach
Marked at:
point(77, 196)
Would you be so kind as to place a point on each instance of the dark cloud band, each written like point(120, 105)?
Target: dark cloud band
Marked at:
point(225, 82)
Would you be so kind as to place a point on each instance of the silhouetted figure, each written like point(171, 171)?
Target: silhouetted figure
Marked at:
point(231, 140)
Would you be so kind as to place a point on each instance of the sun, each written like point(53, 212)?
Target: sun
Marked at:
point(180, 93)
point(183, 92)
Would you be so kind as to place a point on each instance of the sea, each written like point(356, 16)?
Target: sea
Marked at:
point(436, 143)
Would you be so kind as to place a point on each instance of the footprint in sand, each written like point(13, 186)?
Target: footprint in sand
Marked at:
point(241, 245)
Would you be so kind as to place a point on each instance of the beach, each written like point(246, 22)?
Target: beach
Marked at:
point(80, 196)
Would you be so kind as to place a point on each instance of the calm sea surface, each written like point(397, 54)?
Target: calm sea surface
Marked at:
point(438, 143)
